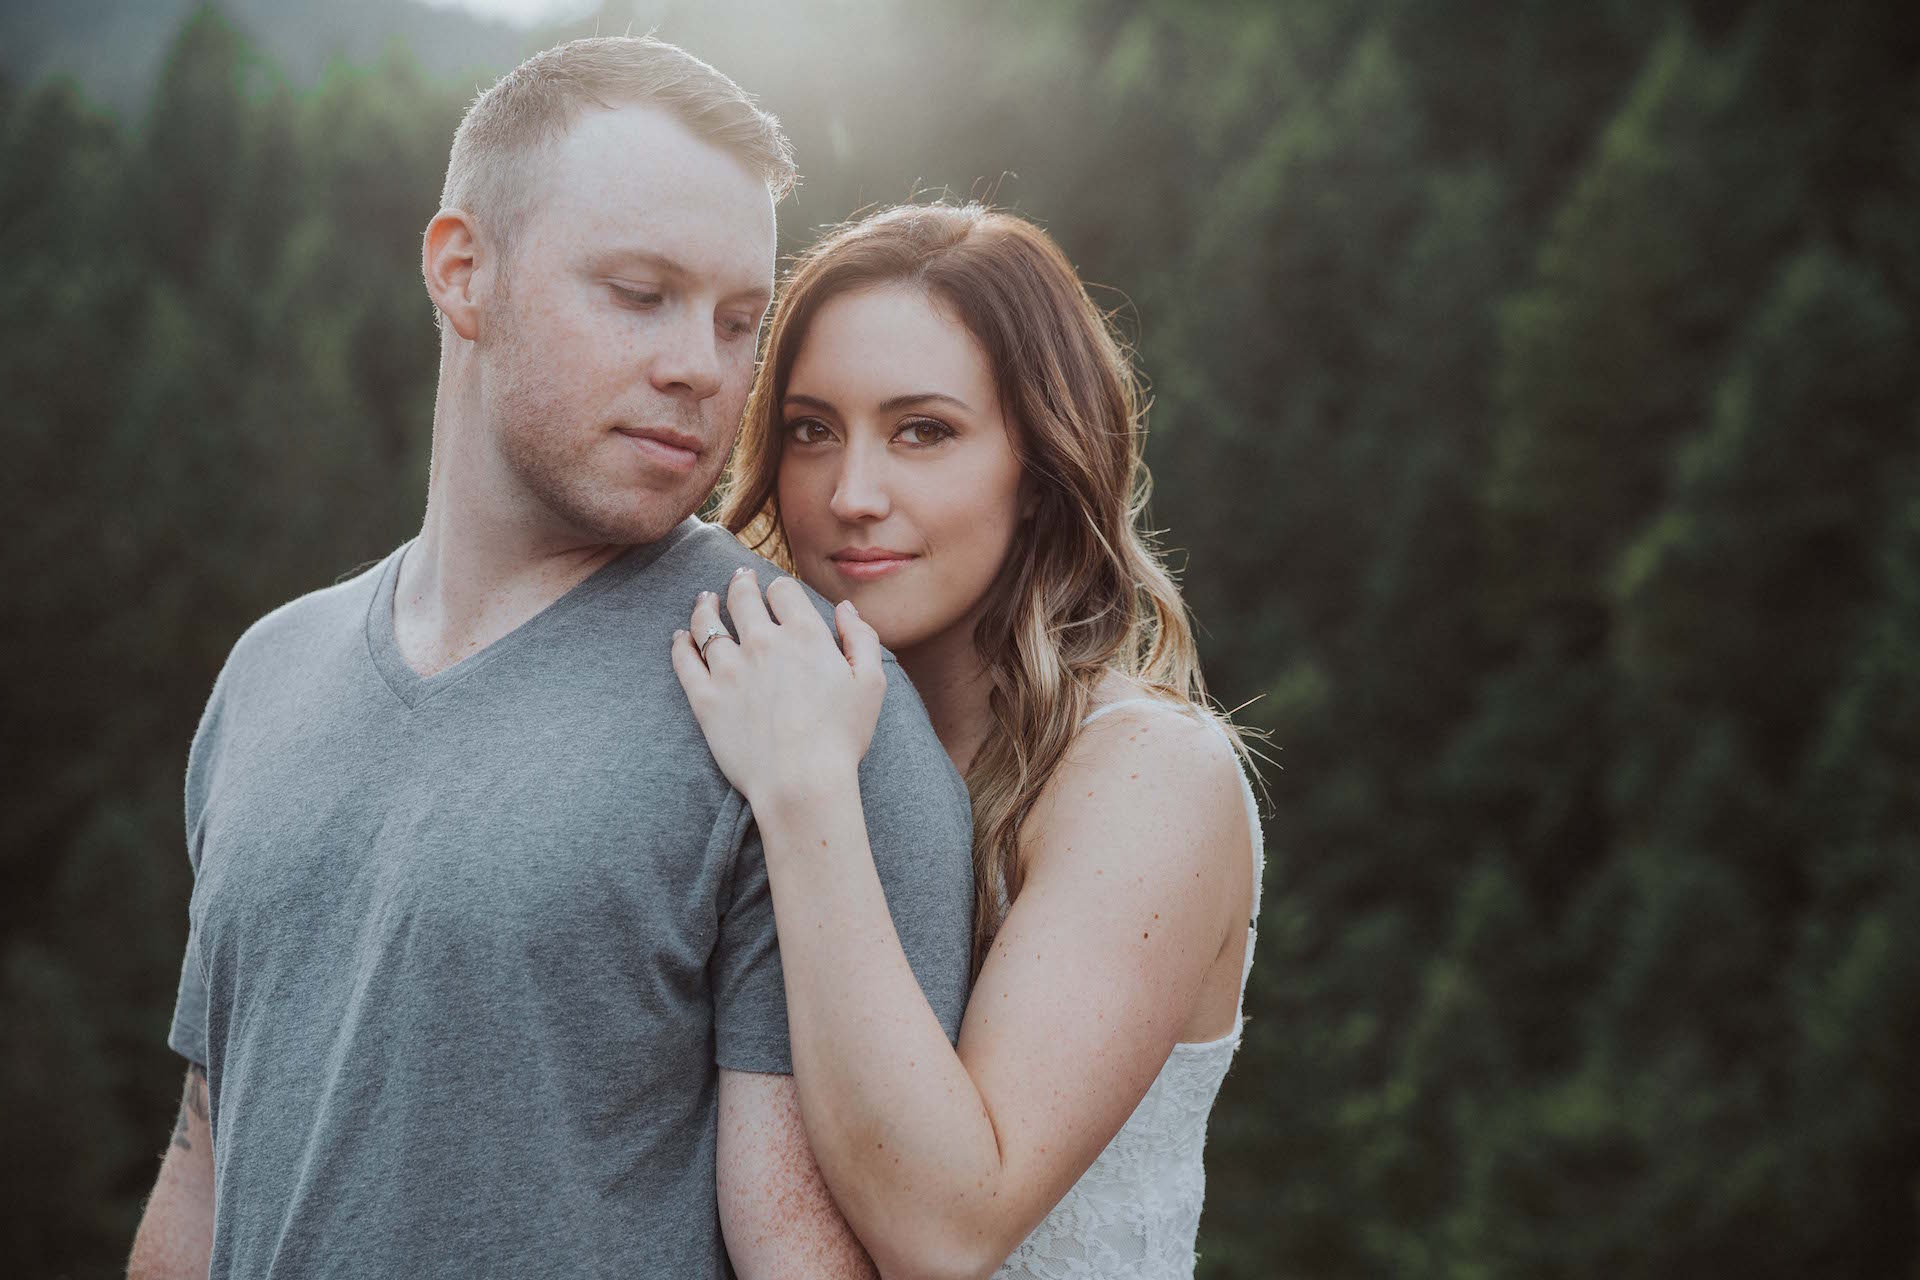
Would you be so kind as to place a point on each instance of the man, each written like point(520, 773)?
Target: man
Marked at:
point(482, 977)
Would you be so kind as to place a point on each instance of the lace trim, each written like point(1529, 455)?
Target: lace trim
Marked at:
point(1135, 1213)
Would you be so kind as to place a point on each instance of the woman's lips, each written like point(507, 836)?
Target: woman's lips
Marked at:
point(866, 566)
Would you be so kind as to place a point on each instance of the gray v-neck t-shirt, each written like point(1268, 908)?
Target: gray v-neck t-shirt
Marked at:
point(468, 951)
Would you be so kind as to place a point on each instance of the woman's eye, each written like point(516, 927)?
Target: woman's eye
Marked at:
point(925, 431)
point(808, 431)
point(734, 327)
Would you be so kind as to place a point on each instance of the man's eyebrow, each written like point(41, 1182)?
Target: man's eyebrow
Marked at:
point(889, 405)
point(644, 257)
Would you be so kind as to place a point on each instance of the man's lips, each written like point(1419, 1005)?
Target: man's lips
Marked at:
point(867, 563)
point(663, 446)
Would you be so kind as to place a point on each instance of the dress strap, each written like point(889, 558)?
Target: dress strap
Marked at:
point(1097, 712)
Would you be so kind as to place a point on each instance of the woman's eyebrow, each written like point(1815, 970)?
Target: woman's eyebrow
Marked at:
point(889, 405)
point(923, 397)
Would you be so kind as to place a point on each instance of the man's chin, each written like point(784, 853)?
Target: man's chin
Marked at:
point(631, 529)
point(634, 518)
point(615, 508)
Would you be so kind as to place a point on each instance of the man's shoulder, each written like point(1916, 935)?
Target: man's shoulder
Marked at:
point(292, 632)
point(703, 557)
point(920, 829)
point(288, 639)
point(695, 554)
point(907, 781)
point(906, 753)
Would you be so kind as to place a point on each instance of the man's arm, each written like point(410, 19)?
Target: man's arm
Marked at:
point(175, 1238)
point(775, 1211)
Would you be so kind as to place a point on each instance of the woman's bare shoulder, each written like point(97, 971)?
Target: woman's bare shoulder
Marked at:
point(1153, 769)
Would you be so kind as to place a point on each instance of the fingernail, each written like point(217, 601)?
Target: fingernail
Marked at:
point(745, 568)
point(703, 597)
point(852, 608)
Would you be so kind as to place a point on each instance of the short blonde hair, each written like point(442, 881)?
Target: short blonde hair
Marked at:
point(491, 171)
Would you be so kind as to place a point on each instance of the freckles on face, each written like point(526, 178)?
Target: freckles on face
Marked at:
point(899, 483)
point(625, 339)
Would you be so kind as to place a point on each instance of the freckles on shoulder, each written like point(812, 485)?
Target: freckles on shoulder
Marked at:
point(1164, 785)
point(1159, 754)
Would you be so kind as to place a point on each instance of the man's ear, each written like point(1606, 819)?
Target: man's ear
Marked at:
point(450, 260)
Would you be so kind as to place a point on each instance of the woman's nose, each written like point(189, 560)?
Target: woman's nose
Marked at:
point(860, 491)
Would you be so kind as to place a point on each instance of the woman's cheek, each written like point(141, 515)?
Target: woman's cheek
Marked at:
point(800, 509)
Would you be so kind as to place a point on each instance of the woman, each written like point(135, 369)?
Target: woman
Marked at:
point(945, 437)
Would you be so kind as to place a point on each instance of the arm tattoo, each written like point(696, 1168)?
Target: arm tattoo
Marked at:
point(196, 1099)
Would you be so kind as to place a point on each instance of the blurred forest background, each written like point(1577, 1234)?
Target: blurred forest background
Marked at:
point(1537, 421)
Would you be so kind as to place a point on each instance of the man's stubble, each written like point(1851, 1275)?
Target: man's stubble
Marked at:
point(558, 462)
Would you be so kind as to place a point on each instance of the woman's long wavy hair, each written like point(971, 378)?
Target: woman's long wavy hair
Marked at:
point(1083, 592)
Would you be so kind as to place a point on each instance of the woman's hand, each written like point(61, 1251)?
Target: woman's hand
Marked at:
point(785, 710)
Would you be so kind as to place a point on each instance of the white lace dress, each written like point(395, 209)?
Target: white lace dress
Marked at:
point(1134, 1213)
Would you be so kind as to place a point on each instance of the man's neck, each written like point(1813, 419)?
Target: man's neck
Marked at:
point(483, 564)
point(458, 593)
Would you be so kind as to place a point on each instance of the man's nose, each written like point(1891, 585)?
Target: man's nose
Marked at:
point(860, 490)
point(687, 363)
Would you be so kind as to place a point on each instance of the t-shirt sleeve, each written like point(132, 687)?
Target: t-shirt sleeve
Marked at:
point(188, 1036)
point(749, 992)
point(920, 826)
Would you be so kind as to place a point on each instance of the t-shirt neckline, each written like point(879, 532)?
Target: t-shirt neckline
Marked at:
point(413, 689)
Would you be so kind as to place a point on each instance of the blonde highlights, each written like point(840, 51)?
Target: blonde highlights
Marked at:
point(1084, 592)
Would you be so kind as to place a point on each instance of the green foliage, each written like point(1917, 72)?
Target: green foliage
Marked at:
point(1536, 418)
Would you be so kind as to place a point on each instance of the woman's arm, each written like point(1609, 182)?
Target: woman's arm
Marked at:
point(943, 1161)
